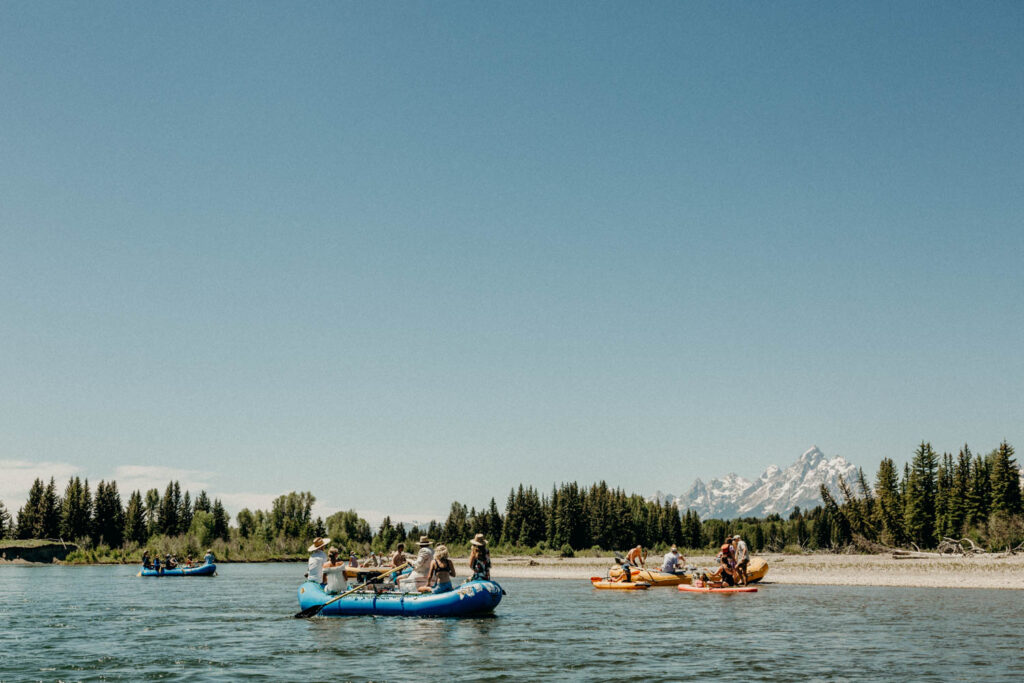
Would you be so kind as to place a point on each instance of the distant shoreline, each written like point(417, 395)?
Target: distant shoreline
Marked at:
point(949, 571)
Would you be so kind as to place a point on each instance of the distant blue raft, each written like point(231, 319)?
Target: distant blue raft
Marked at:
point(472, 598)
point(201, 570)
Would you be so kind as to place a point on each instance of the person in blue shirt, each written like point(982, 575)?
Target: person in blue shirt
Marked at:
point(209, 559)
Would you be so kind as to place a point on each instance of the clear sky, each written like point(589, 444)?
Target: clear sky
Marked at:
point(404, 253)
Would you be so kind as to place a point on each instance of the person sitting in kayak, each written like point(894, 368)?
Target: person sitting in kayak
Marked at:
point(317, 559)
point(637, 556)
point(146, 562)
point(334, 572)
point(480, 559)
point(441, 572)
point(672, 561)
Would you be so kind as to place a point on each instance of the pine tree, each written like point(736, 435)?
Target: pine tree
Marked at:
point(889, 510)
point(168, 512)
point(76, 510)
point(108, 519)
point(919, 511)
point(494, 522)
point(1004, 475)
point(960, 494)
point(185, 513)
point(152, 513)
point(220, 521)
point(5, 522)
point(979, 502)
point(30, 519)
point(203, 503)
point(135, 520)
point(50, 512)
point(944, 497)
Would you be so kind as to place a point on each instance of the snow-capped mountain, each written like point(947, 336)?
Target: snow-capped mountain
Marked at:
point(777, 490)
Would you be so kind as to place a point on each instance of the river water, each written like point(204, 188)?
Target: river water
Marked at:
point(103, 623)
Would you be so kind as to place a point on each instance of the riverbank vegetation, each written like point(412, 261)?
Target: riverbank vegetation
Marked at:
point(968, 497)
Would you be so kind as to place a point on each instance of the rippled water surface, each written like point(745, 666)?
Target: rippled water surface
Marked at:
point(90, 623)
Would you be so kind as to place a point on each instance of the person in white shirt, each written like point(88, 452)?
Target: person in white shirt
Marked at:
point(317, 559)
point(334, 573)
point(420, 568)
point(742, 555)
point(673, 560)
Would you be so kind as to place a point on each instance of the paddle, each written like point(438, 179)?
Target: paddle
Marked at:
point(316, 609)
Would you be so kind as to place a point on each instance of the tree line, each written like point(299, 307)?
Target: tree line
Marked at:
point(966, 495)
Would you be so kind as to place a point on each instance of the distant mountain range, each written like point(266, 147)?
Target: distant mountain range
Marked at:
point(776, 491)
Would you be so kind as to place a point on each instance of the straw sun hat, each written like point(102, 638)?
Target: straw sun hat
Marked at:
point(424, 540)
point(318, 543)
point(478, 540)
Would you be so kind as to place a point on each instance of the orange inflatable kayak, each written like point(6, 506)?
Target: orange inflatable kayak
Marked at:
point(723, 589)
point(598, 582)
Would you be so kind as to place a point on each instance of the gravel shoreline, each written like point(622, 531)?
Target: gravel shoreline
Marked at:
point(980, 571)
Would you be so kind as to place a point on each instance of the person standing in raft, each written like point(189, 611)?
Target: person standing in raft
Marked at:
point(637, 556)
point(742, 556)
point(420, 568)
point(441, 571)
point(480, 559)
point(672, 561)
point(334, 572)
point(317, 560)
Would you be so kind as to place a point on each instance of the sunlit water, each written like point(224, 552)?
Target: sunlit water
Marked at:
point(91, 623)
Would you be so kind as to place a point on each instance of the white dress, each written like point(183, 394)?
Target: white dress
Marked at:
point(336, 582)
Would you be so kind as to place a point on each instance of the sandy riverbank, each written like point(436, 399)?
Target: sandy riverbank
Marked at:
point(829, 570)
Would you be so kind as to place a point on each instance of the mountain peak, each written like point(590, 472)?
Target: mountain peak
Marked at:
point(777, 490)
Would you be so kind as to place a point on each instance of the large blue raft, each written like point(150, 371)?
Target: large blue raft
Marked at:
point(201, 570)
point(470, 599)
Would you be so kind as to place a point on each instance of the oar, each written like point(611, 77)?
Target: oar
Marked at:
point(316, 609)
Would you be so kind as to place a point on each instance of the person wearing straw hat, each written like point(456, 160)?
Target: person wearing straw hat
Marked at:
point(420, 567)
point(480, 559)
point(317, 559)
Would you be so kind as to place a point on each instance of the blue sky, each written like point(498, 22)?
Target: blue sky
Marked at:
point(407, 253)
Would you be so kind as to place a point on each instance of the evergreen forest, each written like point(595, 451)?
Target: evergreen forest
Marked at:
point(931, 498)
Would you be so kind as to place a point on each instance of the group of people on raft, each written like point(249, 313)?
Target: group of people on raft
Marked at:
point(432, 568)
point(733, 559)
point(171, 562)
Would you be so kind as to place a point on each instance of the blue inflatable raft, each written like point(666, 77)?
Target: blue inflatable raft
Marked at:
point(201, 570)
point(472, 598)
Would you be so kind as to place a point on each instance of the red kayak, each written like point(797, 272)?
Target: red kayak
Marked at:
point(723, 589)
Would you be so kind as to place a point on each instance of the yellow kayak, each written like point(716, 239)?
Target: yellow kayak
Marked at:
point(651, 576)
point(598, 582)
